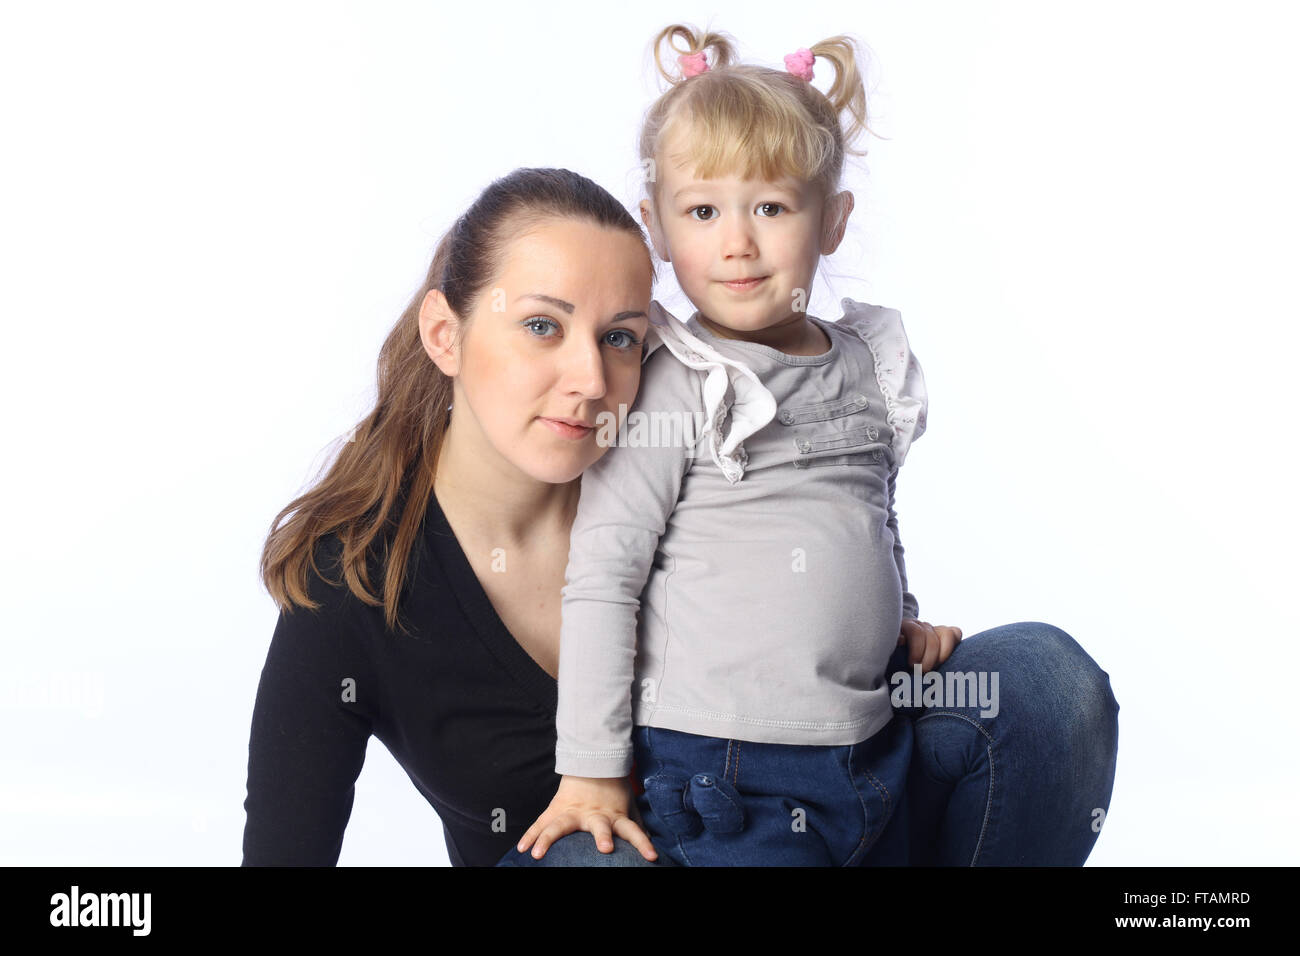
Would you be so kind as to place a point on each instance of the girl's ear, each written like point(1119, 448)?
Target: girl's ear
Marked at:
point(656, 234)
point(439, 327)
point(835, 220)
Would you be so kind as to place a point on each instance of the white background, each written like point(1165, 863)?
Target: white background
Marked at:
point(212, 213)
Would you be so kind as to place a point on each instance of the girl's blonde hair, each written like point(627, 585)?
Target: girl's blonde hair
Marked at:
point(753, 121)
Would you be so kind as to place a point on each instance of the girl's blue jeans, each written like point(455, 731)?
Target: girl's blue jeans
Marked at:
point(1027, 786)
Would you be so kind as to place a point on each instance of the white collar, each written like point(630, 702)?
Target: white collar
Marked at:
point(729, 387)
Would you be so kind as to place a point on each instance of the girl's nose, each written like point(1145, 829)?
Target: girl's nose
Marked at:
point(738, 240)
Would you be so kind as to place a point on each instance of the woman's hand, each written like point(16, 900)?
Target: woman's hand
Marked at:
point(598, 805)
point(928, 645)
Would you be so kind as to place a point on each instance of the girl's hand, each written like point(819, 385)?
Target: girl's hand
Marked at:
point(930, 646)
point(595, 804)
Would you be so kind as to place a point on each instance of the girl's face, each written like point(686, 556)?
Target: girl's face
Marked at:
point(553, 342)
point(744, 250)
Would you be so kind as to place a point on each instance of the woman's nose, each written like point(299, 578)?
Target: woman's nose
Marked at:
point(584, 371)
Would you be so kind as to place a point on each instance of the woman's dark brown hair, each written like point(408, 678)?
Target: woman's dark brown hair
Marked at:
point(375, 493)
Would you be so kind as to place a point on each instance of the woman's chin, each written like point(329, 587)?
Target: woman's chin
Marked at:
point(559, 469)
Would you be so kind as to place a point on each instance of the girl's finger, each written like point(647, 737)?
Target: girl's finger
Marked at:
point(931, 659)
point(550, 834)
point(626, 828)
point(948, 639)
point(921, 634)
point(915, 631)
point(598, 827)
point(529, 835)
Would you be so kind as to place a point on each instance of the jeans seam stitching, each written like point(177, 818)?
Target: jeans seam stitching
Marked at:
point(988, 806)
point(866, 815)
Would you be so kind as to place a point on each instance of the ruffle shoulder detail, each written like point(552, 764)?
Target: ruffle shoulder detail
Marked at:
point(898, 373)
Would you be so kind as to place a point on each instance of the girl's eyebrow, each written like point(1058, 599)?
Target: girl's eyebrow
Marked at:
point(568, 306)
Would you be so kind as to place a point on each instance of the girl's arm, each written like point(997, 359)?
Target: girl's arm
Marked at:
point(626, 499)
point(911, 609)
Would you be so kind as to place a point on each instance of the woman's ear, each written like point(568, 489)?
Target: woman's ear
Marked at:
point(835, 220)
point(652, 226)
point(439, 328)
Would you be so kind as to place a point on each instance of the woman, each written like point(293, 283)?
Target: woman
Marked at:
point(458, 493)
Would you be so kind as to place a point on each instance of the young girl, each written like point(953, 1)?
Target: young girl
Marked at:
point(760, 550)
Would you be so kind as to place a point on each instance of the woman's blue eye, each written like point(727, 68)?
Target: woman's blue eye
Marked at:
point(630, 341)
point(695, 209)
point(770, 205)
point(539, 325)
point(545, 323)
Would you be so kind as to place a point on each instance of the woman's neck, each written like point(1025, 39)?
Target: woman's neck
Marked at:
point(489, 500)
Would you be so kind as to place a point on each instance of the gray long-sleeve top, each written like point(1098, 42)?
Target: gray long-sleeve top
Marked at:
point(762, 609)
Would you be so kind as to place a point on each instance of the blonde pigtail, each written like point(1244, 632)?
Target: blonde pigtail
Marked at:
point(680, 39)
point(847, 92)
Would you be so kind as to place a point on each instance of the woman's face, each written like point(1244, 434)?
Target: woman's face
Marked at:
point(552, 343)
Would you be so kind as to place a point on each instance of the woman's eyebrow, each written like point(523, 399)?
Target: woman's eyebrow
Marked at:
point(568, 307)
point(558, 303)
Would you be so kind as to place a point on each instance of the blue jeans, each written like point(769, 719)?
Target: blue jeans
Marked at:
point(716, 802)
point(1028, 786)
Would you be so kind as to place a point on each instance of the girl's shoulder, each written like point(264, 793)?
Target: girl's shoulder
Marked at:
point(875, 324)
point(898, 373)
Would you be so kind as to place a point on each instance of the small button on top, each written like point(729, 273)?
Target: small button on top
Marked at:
point(787, 417)
point(804, 446)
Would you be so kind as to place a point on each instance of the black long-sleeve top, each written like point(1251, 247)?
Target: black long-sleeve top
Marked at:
point(457, 701)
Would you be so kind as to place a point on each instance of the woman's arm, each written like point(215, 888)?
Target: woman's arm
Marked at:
point(307, 744)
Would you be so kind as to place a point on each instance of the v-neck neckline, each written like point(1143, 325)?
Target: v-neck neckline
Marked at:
point(478, 608)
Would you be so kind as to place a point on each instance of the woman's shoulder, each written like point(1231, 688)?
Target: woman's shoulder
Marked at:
point(327, 584)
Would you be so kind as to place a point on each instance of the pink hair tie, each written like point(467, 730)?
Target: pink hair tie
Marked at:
point(800, 63)
point(693, 64)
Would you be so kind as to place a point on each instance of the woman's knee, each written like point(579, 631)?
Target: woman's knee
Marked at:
point(579, 849)
point(1046, 678)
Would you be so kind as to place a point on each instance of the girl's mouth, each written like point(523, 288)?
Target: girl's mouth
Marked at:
point(745, 285)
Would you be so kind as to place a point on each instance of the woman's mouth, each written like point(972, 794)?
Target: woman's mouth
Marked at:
point(745, 285)
point(566, 430)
